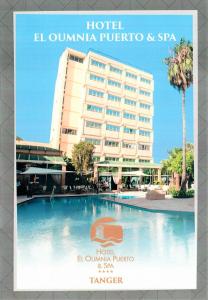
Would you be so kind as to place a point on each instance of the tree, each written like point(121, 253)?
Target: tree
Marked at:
point(68, 161)
point(180, 76)
point(174, 163)
point(82, 157)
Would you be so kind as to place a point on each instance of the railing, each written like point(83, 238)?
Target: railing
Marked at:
point(52, 196)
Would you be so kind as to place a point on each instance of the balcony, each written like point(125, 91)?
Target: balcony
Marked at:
point(146, 85)
point(114, 76)
point(97, 70)
point(148, 99)
point(112, 119)
point(114, 89)
point(130, 94)
point(131, 108)
point(108, 151)
point(96, 84)
point(145, 125)
point(93, 131)
point(113, 104)
point(131, 81)
point(129, 137)
point(129, 122)
point(94, 99)
point(145, 153)
point(112, 134)
point(92, 114)
point(144, 111)
point(128, 152)
point(145, 139)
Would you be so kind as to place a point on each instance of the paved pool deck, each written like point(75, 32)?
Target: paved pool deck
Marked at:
point(139, 200)
point(168, 204)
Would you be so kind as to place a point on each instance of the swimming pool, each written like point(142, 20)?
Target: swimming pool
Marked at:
point(51, 235)
point(121, 196)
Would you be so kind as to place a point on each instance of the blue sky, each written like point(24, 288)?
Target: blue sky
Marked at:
point(37, 64)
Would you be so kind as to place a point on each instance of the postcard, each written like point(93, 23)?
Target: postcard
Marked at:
point(106, 150)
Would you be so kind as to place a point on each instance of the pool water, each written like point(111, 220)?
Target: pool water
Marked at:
point(121, 196)
point(51, 235)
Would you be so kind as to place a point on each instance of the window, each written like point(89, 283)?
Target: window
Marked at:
point(69, 131)
point(114, 83)
point(128, 146)
point(145, 106)
point(111, 143)
point(112, 158)
point(76, 58)
point(115, 70)
point(130, 102)
point(131, 75)
point(145, 80)
point(112, 112)
point(96, 78)
point(93, 124)
point(128, 159)
point(130, 88)
point(94, 108)
point(144, 119)
point(129, 116)
point(145, 93)
point(97, 64)
point(114, 98)
point(95, 93)
point(96, 158)
point(93, 141)
point(144, 160)
point(144, 147)
point(112, 127)
point(129, 130)
point(144, 133)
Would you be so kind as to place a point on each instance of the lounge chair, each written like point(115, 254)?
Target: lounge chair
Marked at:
point(64, 189)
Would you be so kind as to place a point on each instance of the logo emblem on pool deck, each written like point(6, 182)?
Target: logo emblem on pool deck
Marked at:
point(106, 233)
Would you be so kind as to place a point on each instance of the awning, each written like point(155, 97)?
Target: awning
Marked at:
point(43, 171)
point(40, 159)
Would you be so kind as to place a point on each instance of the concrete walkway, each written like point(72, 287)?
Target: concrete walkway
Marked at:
point(169, 204)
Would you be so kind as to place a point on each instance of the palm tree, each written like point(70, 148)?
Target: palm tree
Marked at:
point(180, 76)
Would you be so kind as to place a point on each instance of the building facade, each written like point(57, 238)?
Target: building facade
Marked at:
point(106, 102)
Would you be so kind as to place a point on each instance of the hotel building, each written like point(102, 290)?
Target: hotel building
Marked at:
point(108, 103)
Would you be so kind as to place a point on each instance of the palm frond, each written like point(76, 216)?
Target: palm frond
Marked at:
point(180, 65)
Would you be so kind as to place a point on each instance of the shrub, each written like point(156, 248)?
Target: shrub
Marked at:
point(171, 190)
point(182, 194)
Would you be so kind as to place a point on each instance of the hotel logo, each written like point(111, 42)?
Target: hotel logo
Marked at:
point(106, 233)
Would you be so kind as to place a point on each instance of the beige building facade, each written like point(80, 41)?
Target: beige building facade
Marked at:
point(106, 102)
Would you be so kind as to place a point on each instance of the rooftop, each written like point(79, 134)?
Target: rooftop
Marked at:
point(36, 158)
point(36, 148)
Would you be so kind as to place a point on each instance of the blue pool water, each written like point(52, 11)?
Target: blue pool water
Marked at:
point(50, 235)
point(121, 196)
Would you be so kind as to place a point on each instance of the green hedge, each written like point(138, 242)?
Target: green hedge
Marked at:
point(182, 194)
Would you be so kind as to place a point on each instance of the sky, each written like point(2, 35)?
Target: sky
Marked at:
point(37, 65)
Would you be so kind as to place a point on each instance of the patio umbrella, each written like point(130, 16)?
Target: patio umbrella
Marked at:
point(135, 173)
point(43, 171)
